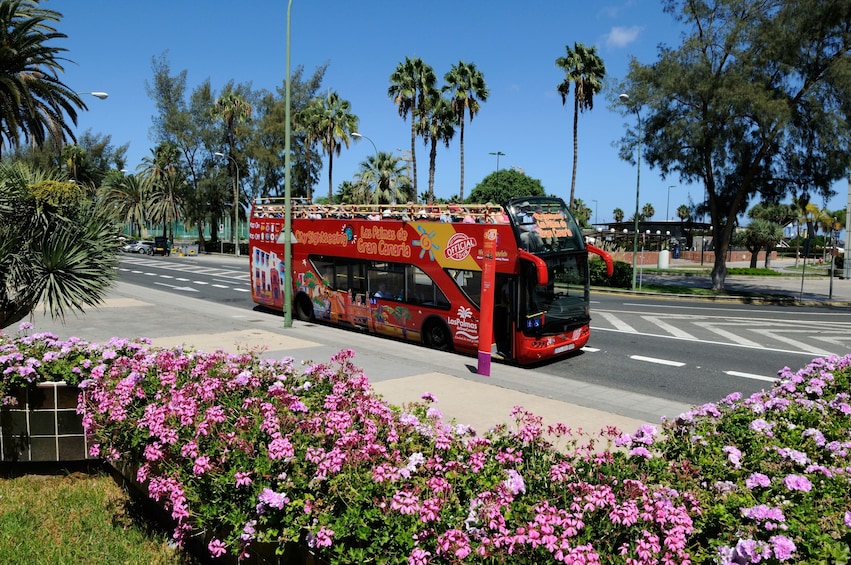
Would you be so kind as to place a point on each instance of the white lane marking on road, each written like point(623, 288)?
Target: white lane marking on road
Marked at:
point(735, 338)
point(739, 311)
point(166, 277)
point(835, 340)
point(750, 376)
point(775, 334)
point(200, 282)
point(707, 341)
point(617, 322)
point(220, 286)
point(657, 361)
point(181, 279)
point(590, 349)
point(175, 287)
point(673, 330)
point(242, 289)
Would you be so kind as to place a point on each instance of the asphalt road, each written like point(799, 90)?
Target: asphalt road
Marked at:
point(686, 350)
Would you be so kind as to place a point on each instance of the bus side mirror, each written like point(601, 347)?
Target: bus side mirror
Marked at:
point(539, 264)
point(610, 267)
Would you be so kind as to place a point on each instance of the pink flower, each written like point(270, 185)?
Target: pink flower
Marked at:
point(217, 547)
point(419, 557)
point(757, 480)
point(242, 478)
point(797, 482)
point(783, 547)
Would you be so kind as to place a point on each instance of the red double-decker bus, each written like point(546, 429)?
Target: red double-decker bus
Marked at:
point(414, 272)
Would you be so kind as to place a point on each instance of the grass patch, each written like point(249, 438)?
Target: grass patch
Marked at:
point(77, 517)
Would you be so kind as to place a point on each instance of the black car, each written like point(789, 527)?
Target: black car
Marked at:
point(161, 246)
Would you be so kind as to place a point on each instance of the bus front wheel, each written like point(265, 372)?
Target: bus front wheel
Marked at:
point(303, 308)
point(436, 335)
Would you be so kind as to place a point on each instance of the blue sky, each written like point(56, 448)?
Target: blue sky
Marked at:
point(514, 44)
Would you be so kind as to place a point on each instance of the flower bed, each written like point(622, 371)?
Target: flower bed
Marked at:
point(251, 452)
point(38, 412)
point(42, 424)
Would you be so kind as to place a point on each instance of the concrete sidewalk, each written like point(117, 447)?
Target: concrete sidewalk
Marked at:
point(400, 372)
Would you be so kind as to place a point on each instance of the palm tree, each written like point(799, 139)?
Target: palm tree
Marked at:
point(127, 197)
point(167, 186)
point(409, 84)
point(56, 247)
point(34, 103)
point(307, 124)
point(647, 212)
point(381, 179)
point(466, 86)
point(438, 125)
point(335, 126)
point(233, 110)
point(585, 69)
point(618, 215)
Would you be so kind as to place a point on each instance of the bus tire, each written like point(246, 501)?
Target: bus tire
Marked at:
point(436, 335)
point(303, 308)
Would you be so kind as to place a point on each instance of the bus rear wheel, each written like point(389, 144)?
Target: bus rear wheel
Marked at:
point(303, 308)
point(436, 335)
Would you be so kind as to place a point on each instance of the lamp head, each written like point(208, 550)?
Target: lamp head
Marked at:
point(624, 97)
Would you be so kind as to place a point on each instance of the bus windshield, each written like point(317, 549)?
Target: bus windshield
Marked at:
point(562, 304)
point(543, 225)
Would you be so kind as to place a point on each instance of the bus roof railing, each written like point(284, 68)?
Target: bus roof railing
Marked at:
point(301, 208)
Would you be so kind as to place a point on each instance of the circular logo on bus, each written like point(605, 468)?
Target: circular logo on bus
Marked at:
point(458, 247)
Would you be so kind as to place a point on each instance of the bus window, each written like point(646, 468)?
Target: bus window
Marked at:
point(470, 283)
point(386, 280)
point(325, 268)
point(422, 290)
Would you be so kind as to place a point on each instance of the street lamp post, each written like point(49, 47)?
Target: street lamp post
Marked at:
point(358, 134)
point(625, 99)
point(498, 155)
point(288, 213)
point(668, 203)
point(233, 228)
point(595, 211)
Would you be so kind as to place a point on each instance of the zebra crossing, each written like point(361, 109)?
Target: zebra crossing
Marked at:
point(779, 332)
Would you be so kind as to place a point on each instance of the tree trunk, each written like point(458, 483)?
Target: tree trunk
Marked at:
point(719, 269)
point(461, 194)
point(575, 150)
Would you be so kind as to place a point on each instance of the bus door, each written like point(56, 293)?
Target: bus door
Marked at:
point(504, 310)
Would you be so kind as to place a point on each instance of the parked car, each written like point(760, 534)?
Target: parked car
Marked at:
point(161, 246)
point(136, 246)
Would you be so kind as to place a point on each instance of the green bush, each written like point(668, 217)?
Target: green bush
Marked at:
point(621, 277)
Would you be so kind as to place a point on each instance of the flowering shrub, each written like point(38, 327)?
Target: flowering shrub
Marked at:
point(772, 471)
point(249, 451)
point(41, 357)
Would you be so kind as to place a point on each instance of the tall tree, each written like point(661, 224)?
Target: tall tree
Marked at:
point(167, 181)
point(467, 88)
point(585, 70)
point(502, 186)
point(409, 84)
point(437, 126)
point(308, 125)
point(127, 196)
point(233, 109)
point(335, 126)
point(34, 102)
point(754, 101)
point(383, 178)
